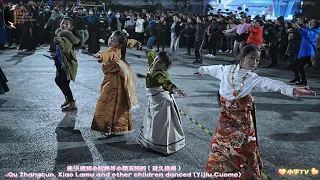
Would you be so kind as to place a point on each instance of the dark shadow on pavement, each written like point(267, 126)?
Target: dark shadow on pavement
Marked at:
point(121, 151)
point(287, 111)
point(2, 101)
point(312, 135)
point(72, 149)
point(20, 56)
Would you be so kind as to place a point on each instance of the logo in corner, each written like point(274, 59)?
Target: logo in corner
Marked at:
point(8, 19)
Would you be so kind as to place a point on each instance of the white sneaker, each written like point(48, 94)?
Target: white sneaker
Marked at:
point(212, 56)
point(227, 51)
point(208, 55)
point(220, 50)
point(101, 40)
point(230, 51)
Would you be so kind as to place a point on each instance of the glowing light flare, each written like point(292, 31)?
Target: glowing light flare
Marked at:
point(12, 25)
point(13, 7)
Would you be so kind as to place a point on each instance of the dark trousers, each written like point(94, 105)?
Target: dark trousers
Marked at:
point(189, 43)
point(198, 48)
point(212, 44)
point(140, 37)
point(221, 41)
point(1, 46)
point(298, 67)
point(230, 42)
point(273, 55)
point(161, 41)
point(64, 85)
point(13, 36)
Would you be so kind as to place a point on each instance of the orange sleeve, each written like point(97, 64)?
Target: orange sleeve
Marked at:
point(109, 55)
point(131, 43)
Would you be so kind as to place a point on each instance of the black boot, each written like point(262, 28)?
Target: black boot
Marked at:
point(200, 62)
point(195, 62)
point(302, 83)
point(295, 80)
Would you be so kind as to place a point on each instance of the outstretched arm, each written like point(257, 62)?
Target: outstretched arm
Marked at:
point(151, 55)
point(214, 71)
point(267, 84)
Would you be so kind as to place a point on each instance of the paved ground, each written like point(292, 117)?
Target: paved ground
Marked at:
point(37, 137)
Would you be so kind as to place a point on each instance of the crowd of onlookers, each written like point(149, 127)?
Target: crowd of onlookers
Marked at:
point(279, 40)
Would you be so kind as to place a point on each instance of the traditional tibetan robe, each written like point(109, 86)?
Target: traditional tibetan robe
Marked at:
point(132, 43)
point(161, 130)
point(234, 147)
point(117, 95)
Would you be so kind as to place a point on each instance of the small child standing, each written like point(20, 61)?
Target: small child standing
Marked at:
point(66, 61)
point(118, 91)
point(162, 130)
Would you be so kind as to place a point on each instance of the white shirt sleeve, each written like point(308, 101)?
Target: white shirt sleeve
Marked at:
point(214, 71)
point(267, 85)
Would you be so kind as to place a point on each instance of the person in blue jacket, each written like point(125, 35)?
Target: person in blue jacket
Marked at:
point(307, 50)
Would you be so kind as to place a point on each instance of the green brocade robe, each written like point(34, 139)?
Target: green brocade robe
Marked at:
point(159, 77)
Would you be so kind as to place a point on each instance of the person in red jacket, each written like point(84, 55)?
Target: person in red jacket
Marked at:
point(256, 34)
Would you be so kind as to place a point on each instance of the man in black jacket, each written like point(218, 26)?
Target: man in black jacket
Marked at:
point(189, 32)
point(213, 30)
point(81, 25)
point(162, 33)
point(199, 40)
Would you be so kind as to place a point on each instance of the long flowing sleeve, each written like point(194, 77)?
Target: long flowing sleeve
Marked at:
point(214, 71)
point(110, 55)
point(151, 55)
point(270, 85)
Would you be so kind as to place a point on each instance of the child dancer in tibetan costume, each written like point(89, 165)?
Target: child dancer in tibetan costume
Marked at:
point(161, 130)
point(235, 142)
point(118, 91)
point(67, 40)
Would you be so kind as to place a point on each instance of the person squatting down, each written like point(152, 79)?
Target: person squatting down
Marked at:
point(118, 92)
point(66, 40)
point(162, 130)
point(234, 145)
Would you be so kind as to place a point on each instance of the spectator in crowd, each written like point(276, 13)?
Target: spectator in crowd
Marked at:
point(242, 33)
point(130, 25)
point(199, 40)
point(221, 37)
point(93, 29)
point(139, 29)
point(256, 34)
point(162, 33)
point(176, 28)
point(53, 24)
point(151, 30)
point(189, 35)
point(307, 49)
point(81, 25)
point(230, 36)
point(212, 32)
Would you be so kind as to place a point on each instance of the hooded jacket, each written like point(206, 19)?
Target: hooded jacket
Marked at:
point(308, 43)
point(68, 56)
